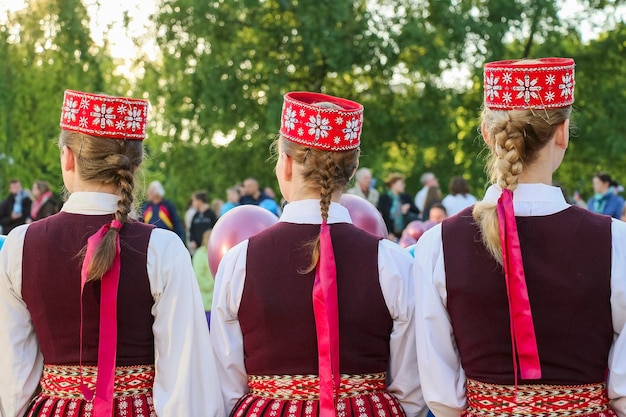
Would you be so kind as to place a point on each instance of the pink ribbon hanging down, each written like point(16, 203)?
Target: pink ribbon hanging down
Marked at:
point(107, 346)
point(325, 309)
point(524, 341)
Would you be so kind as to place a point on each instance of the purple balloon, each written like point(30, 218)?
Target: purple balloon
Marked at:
point(428, 224)
point(405, 241)
point(364, 215)
point(236, 225)
point(415, 229)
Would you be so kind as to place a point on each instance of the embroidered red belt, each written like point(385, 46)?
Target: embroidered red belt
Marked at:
point(490, 400)
point(64, 381)
point(307, 387)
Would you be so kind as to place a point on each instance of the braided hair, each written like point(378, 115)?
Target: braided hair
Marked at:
point(108, 161)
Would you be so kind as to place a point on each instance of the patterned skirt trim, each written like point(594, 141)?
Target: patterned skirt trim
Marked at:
point(491, 400)
point(298, 396)
point(61, 394)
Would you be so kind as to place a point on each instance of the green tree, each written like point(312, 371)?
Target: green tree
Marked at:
point(226, 65)
point(44, 49)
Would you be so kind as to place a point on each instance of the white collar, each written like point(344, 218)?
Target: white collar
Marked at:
point(84, 202)
point(308, 212)
point(532, 199)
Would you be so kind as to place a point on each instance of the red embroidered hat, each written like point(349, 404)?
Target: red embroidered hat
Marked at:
point(308, 124)
point(529, 84)
point(105, 116)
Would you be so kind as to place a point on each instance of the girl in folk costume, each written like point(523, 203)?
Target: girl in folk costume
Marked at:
point(522, 298)
point(313, 316)
point(101, 314)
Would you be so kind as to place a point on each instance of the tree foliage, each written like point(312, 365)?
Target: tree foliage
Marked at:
point(44, 49)
point(216, 88)
point(226, 65)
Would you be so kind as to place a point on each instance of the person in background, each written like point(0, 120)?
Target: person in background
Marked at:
point(522, 297)
point(605, 201)
point(200, 261)
point(433, 196)
point(253, 195)
point(101, 314)
point(190, 211)
point(232, 199)
point(44, 202)
point(437, 213)
point(459, 197)
point(161, 212)
point(290, 331)
point(363, 186)
point(203, 220)
point(396, 206)
point(15, 209)
point(428, 179)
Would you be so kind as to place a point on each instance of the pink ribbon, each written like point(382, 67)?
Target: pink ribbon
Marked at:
point(524, 341)
point(325, 308)
point(107, 345)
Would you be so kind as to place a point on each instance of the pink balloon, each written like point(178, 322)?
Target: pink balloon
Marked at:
point(364, 215)
point(236, 225)
point(415, 229)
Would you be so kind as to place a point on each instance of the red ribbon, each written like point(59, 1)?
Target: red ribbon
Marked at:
point(107, 344)
point(524, 341)
point(325, 308)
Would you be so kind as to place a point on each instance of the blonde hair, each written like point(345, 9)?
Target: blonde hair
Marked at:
point(514, 138)
point(107, 161)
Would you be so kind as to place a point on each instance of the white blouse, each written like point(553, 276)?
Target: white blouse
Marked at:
point(439, 362)
point(394, 266)
point(186, 382)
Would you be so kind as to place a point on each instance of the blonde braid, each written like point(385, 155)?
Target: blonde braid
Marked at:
point(515, 136)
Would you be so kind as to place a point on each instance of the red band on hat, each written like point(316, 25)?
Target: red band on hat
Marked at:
point(306, 123)
point(529, 84)
point(105, 116)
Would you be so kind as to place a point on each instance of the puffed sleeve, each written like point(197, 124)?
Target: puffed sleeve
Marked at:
point(395, 274)
point(225, 330)
point(617, 357)
point(438, 358)
point(21, 362)
point(186, 382)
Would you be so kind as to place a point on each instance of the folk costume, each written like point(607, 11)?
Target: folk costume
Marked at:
point(134, 343)
point(541, 334)
point(337, 341)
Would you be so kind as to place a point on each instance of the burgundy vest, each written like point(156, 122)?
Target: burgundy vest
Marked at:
point(567, 263)
point(51, 290)
point(276, 311)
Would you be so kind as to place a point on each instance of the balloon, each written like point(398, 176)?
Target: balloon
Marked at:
point(364, 215)
point(2, 238)
point(236, 225)
point(428, 224)
point(415, 229)
point(405, 241)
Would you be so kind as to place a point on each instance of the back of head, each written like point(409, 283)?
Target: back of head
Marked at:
point(458, 185)
point(525, 102)
point(322, 133)
point(105, 135)
point(42, 186)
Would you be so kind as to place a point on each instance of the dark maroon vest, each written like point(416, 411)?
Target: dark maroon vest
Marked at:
point(567, 262)
point(51, 290)
point(276, 311)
